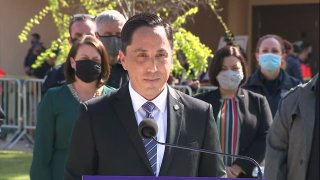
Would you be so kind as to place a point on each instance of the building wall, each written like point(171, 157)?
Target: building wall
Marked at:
point(240, 13)
point(15, 13)
point(237, 14)
point(206, 25)
point(13, 16)
point(252, 3)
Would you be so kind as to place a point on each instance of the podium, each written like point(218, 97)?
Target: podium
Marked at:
point(156, 178)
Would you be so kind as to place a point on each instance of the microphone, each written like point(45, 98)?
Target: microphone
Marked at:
point(148, 129)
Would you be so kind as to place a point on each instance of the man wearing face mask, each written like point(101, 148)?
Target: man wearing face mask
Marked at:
point(269, 79)
point(109, 25)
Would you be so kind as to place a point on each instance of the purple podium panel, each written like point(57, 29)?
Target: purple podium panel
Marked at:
point(156, 178)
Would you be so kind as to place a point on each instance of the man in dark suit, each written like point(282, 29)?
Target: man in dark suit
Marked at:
point(105, 139)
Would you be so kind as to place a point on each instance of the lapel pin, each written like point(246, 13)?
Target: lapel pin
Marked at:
point(176, 107)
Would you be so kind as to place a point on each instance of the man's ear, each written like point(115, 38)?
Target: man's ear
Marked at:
point(122, 58)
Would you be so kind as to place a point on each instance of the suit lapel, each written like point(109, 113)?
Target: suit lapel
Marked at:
point(215, 97)
point(129, 122)
point(175, 118)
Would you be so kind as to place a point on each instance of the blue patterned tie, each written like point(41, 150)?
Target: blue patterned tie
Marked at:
point(149, 144)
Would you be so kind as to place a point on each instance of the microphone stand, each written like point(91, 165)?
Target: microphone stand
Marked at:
point(215, 153)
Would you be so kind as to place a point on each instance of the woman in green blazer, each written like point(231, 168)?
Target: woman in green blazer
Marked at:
point(86, 70)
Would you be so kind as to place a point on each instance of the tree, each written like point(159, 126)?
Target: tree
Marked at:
point(175, 12)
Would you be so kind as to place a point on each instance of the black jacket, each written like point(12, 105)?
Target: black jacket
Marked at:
point(105, 139)
point(118, 76)
point(273, 90)
point(53, 78)
point(255, 117)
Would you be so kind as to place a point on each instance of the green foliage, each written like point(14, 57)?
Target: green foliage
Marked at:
point(96, 7)
point(213, 5)
point(195, 52)
point(178, 23)
point(33, 21)
point(175, 11)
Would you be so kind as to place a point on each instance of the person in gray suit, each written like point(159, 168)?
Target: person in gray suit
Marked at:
point(106, 140)
point(293, 140)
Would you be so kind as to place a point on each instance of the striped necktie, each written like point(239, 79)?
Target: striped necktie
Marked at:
point(149, 144)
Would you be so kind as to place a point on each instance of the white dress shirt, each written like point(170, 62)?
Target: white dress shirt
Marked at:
point(159, 114)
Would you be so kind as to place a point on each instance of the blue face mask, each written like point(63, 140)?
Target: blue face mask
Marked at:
point(270, 62)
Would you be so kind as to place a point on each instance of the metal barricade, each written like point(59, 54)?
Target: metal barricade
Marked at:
point(31, 90)
point(203, 89)
point(19, 99)
point(11, 102)
point(183, 88)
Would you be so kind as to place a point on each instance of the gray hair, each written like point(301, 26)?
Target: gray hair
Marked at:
point(109, 16)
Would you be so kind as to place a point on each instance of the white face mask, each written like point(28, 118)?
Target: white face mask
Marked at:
point(229, 79)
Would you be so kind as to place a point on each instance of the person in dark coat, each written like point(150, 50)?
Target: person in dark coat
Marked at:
point(105, 139)
point(243, 117)
point(269, 79)
point(34, 51)
point(109, 26)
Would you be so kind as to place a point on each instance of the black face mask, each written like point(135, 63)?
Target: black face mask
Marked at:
point(88, 70)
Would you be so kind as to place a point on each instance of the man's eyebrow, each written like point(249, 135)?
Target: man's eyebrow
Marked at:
point(140, 50)
point(144, 50)
point(162, 50)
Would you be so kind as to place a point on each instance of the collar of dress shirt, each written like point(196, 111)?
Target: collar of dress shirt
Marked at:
point(137, 100)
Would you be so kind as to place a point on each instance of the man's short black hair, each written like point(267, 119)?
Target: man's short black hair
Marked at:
point(140, 20)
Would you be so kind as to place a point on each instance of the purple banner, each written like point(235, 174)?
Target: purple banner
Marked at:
point(154, 178)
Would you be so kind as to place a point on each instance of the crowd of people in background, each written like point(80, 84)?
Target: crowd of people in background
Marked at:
point(266, 115)
point(297, 57)
point(244, 114)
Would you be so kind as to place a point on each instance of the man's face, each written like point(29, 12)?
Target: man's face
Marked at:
point(80, 28)
point(109, 33)
point(148, 60)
